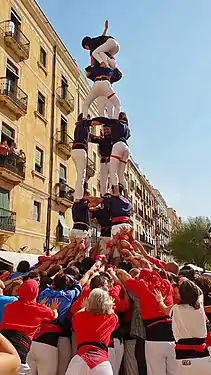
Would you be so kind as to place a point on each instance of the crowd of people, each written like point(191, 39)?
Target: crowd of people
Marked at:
point(142, 316)
point(112, 309)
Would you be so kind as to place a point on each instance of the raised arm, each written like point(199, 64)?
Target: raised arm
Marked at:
point(105, 28)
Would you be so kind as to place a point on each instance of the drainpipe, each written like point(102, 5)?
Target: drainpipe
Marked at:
point(51, 155)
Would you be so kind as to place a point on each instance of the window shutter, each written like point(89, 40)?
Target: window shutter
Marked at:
point(38, 157)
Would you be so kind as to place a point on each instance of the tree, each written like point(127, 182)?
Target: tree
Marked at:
point(186, 243)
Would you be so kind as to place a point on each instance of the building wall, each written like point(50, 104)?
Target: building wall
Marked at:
point(143, 200)
point(33, 131)
point(161, 224)
point(174, 219)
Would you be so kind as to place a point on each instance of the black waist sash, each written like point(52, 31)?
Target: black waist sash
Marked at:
point(20, 341)
point(99, 345)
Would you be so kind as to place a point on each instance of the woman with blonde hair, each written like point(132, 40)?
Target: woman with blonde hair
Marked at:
point(93, 327)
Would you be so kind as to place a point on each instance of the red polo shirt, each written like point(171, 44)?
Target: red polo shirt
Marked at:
point(144, 288)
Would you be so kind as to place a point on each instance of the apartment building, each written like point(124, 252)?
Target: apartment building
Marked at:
point(174, 220)
point(142, 198)
point(41, 93)
point(162, 224)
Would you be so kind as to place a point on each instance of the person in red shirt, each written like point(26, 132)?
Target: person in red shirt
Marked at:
point(159, 344)
point(93, 327)
point(22, 318)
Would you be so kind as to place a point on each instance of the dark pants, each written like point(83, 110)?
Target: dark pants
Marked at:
point(140, 356)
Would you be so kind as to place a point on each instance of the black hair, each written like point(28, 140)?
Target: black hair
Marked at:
point(80, 117)
point(120, 186)
point(86, 41)
point(126, 266)
point(97, 282)
point(189, 294)
point(87, 263)
point(73, 271)
point(123, 117)
point(23, 266)
point(33, 275)
point(187, 272)
point(60, 282)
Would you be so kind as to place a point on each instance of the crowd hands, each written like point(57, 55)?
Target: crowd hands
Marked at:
point(68, 285)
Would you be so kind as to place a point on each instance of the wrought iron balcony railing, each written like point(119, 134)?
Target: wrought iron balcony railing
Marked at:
point(7, 220)
point(9, 29)
point(66, 192)
point(13, 163)
point(14, 93)
point(65, 98)
point(64, 142)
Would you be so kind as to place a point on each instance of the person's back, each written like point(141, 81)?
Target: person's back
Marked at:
point(89, 327)
point(4, 300)
point(120, 206)
point(60, 292)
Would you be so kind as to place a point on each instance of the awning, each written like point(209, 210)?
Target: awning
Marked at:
point(65, 228)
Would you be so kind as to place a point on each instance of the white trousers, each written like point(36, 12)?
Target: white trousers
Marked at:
point(118, 163)
point(101, 88)
point(79, 158)
point(105, 107)
point(102, 245)
point(116, 228)
point(196, 366)
point(160, 358)
point(78, 233)
point(115, 356)
point(129, 359)
point(65, 355)
point(77, 366)
point(110, 46)
point(42, 359)
point(24, 370)
point(104, 173)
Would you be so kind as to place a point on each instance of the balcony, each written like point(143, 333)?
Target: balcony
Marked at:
point(12, 168)
point(64, 142)
point(15, 39)
point(7, 221)
point(13, 97)
point(65, 100)
point(90, 168)
point(65, 195)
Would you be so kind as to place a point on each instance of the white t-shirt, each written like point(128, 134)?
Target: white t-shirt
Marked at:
point(188, 322)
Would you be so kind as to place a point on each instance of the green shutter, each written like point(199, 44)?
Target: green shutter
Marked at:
point(7, 131)
point(38, 157)
point(4, 199)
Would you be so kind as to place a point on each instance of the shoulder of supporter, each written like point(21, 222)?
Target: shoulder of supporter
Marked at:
point(45, 313)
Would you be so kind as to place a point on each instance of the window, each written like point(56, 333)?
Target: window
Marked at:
point(4, 200)
point(43, 57)
point(64, 86)
point(41, 104)
point(63, 128)
point(39, 160)
point(14, 17)
point(62, 173)
point(94, 192)
point(36, 211)
point(95, 160)
point(7, 134)
point(11, 74)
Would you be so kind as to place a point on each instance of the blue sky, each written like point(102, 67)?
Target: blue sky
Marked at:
point(166, 60)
